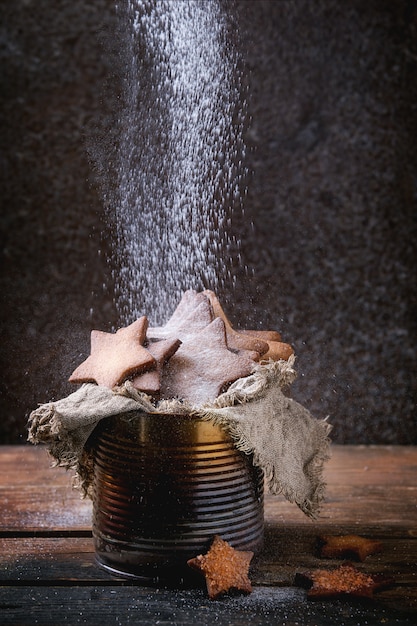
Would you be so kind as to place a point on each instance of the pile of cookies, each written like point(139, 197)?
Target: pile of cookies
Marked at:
point(194, 357)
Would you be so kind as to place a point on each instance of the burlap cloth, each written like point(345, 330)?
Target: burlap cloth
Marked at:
point(285, 440)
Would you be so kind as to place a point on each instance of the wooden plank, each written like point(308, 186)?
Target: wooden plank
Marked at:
point(32, 465)
point(130, 604)
point(29, 465)
point(357, 505)
point(363, 482)
point(49, 560)
point(286, 551)
point(46, 508)
point(36, 497)
point(396, 462)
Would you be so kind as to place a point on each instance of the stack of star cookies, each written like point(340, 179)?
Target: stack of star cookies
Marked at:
point(195, 356)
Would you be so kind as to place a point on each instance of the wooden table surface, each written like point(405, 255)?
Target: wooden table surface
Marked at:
point(49, 576)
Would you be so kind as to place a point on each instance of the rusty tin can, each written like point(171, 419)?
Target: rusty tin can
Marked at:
point(164, 486)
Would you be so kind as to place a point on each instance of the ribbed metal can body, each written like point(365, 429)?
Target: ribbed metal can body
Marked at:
point(164, 486)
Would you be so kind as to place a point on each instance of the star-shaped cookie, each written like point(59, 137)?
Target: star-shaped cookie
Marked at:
point(190, 300)
point(203, 366)
point(348, 547)
point(346, 580)
point(191, 315)
point(224, 568)
point(114, 357)
point(150, 382)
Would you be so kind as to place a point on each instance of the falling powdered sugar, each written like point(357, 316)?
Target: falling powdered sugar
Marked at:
point(180, 155)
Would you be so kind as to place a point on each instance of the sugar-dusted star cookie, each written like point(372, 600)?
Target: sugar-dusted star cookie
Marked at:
point(347, 547)
point(203, 366)
point(114, 357)
point(346, 580)
point(190, 300)
point(225, 569)
point(191, 315)
point(150, 382)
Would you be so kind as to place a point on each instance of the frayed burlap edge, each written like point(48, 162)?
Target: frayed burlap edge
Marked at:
point(281, 435)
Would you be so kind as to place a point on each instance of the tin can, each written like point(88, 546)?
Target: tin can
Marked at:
point(164, 486)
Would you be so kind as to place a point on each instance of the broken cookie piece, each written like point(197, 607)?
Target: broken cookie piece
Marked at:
point(346, 580)
point(224, 568)
point(347, 547)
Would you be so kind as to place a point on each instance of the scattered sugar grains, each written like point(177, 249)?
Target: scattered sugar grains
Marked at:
point(180, 157)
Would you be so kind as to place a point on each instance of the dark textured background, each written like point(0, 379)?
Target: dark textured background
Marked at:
point(330, 217)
